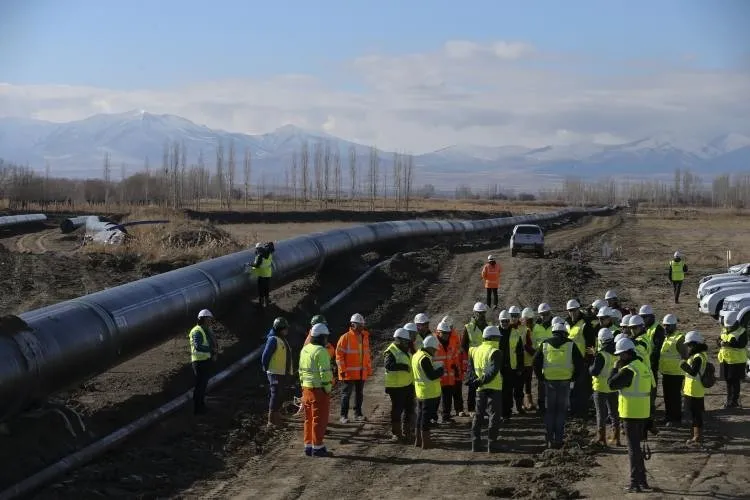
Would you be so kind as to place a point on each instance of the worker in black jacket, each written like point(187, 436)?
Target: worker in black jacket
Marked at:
point(512, 362)
point(558, 362)
point(583, 334)
point(485, 363)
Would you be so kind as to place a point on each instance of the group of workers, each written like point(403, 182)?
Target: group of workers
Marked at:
point(604, 355)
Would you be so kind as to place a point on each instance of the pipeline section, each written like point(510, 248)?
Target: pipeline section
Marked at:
point(19, 220)
point(66, 343)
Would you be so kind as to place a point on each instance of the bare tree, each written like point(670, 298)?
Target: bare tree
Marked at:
point(123, 176)
point(246, 167)
point(407, 173)
point(353, 172)
point(318, 169)
point(337, 175)
point(201, 181)
point(294, 180)
point(220, 172)
point(146, 180)
point(326, 173)
point(164, 180)
point(231, 172)
point(305, 166)
point(182, 183)
point(397, 179)
point(107, 177)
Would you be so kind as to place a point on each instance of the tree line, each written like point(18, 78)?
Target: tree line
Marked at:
point(319, 175)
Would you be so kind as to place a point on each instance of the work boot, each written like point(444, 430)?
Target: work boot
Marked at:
point(396, 433)
point(633, 488)
point(601, 437)
point(530, 405)
point(321, 452)
point(696, 439)
point(615, 440)
point(270, 424)
point(426, 440)
point(418, 438)
point(476, 445)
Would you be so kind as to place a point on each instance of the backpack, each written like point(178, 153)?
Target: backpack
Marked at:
point(708, 379)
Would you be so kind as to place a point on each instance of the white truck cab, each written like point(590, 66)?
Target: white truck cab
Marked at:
point(527, 238)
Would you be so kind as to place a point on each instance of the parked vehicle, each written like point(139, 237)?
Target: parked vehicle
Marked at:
point(713, 300)
point(741, 269)
point(527, 238)
point(739, 303)
point(720, 280)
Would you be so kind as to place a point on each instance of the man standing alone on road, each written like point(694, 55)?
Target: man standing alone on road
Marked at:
point(632, 378)
point(677, 270)
point(316, 379)
point(202, 355)
point(277, 363)
point(491, 276)
point(355, 366)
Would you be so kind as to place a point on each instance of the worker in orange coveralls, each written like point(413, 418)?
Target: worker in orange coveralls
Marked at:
point(316, 379)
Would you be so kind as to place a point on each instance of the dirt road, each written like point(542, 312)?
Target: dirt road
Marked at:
point(367, 466)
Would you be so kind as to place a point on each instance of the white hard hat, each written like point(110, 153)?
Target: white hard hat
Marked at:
point(444, 327)
point(319, 329)
point(490, 257)
point(616, 314)
point(543, 308)
point(504, 315)
point(572, 305)
point(624, 345)
point(430, 341)
point(557, 320)
point(401, 333)
point(421, 319)
point(604, 312)
point(448, 319)
point(605, 334)
point(357, 318)
point(693, 336)
point(410, 327)
point(259, 245)
point(669, 319)
point(528, 313)
point(205, 313)
point(635, 320)
point(677, 254)
point(480, 307)
point(598, 304)
point(645, 310)
point(559, 327)
point(514, 310)
point(619, 337)
point(611, 294)
point(491, 331)
point(730, 319)
point(625, 320)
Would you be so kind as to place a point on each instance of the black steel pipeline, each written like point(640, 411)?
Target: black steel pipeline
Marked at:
point(65, 343)
point(18, 220)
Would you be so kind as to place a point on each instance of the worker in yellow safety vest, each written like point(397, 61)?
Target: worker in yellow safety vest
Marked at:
point(423, 330)
point(643, 349)
point(277, 363)
point(733, 357)
point(262, 268)
point(316, 379)
point(528, 323)
point(472, 337)
point(203, 351)
point(583, 335)
point(542, 331)
point(632, 378)
point(605, 399)
point(677, 269)
point(427, 388)
point(485, 363)
point(693, 390)
point(673, 352)
point(399, 385)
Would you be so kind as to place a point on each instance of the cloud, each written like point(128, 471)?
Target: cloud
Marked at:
point(494, 93)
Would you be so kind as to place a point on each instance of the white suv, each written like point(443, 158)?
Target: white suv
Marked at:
point(527, 238)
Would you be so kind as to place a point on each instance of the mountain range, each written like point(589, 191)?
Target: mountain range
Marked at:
point(76, 149)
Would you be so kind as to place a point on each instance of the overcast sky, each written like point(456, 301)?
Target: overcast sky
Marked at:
point(414, 76)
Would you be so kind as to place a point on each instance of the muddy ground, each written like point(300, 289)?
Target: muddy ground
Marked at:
point(228, 454)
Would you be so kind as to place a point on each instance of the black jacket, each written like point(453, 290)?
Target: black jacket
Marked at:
point(391, 365)
point(598, 365)
point(658, 341)
point(429, 370)
point(589, 332)
point(556, 341)
point(739, 343)
point(693, 367)
point(496, 362)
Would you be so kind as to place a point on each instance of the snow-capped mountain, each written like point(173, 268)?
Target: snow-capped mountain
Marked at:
point(77, 148)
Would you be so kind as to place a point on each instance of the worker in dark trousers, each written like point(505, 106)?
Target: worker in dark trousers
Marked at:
point(512, 349)
point(673, 353)
point(262, 267)
point(277, 362)
point(399, 385)
point(583, 335)
point(203, 351)
point(677, 270)
point(632, 378)
point(733, 357)
point(484, 375)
